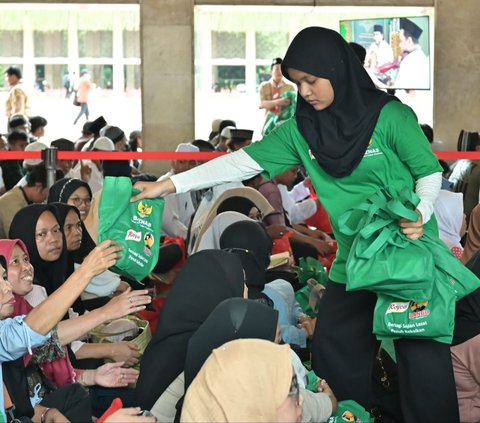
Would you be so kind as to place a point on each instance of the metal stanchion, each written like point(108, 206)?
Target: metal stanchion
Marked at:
point(49, 156)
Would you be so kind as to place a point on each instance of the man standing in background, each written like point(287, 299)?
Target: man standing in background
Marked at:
point(17, 100)
point(272, 94)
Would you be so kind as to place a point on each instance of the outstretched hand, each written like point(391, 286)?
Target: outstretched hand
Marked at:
point(153, 189)
point(127, 302)
point(103, 256)
point(113, 375)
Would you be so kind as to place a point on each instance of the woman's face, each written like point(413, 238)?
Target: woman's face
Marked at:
point(48, 237)
point(81, 199)
point(73, 231)
point(291, 409)
point(7, 299)
point(20, 272)
point(318, 92)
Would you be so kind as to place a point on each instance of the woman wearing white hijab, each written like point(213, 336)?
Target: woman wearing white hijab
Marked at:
point(451, 220)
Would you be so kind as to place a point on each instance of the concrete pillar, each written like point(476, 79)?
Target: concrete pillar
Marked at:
point(28, 71)
point(167, 75)
point(250, 65)
point(457, 59)
point(118, 74)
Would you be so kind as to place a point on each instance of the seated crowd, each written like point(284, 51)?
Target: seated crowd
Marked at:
point(230, 336)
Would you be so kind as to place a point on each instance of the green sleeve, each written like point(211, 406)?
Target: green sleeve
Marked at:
point(278, 151)
point(407, 139)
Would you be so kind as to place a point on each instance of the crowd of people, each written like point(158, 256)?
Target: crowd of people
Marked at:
point(231, 340)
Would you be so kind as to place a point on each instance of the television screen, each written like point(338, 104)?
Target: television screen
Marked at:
point(398, 50)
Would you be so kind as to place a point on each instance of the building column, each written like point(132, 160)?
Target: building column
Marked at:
point(457, 56)
point(167, 76)
point(250, 65)
point(28, 72)
point(118, 72)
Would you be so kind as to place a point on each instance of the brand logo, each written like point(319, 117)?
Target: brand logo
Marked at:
point(143, 222)
point(418, 310)
point(348, 416)
point(397, 308)
point(144, 209)
point(133, 235)
point(371, 150)
point(148, 240)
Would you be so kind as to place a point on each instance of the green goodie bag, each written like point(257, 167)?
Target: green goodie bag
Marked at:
point(350, 411)
point(134, 225)
point(432, 319)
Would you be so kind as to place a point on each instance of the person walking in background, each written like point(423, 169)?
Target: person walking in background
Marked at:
point(82, 95)
point(17, 100)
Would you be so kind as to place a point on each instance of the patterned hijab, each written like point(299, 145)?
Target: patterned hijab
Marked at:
point(338, 136)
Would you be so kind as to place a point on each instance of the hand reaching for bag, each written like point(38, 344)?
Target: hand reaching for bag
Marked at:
point(103, 256)
point(127, 302)
point(153, 189)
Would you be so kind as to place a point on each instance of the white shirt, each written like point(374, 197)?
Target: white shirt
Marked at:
point(297, 211)
point(383, 52)
point(414, 71)
point(96, 177)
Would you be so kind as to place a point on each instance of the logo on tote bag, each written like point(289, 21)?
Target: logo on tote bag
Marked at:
point(397, 308)
point(133, 235)
point(418, 310)
point(144, 210)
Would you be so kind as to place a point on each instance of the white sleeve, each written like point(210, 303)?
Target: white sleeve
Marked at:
point(428, 188)
point(232, 167)
point(317, 407)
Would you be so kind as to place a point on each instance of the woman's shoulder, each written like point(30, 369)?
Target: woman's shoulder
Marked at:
point(396, 111)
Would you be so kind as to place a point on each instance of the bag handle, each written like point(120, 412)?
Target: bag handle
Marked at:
point(377, 244)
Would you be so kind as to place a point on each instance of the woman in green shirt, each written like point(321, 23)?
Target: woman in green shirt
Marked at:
point(353, 140)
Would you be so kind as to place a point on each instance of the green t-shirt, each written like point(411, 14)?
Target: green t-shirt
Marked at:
point(397, 156)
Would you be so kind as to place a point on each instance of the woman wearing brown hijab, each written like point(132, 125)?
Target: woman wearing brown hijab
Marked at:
point(245, 380)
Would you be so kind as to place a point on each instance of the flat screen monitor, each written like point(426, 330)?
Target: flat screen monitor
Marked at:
point(398, 50)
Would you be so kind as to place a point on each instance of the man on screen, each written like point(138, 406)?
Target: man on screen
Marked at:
point(414, 71)
point(379, 52)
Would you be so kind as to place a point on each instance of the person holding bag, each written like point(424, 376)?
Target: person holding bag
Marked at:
point(353, 140)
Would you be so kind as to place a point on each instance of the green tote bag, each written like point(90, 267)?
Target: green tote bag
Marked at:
point(135, 225)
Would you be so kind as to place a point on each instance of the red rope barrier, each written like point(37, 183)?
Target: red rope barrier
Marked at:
point(111, 155)
point(171, 155)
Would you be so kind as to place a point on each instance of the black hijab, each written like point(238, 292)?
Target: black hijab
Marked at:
point(234, 318)
point(467, 311)
point(238, 204)
point(61, 210)
point(207, 278)
point(252, 243)
point(61, 190)
point(49, 274)
point(338, 136)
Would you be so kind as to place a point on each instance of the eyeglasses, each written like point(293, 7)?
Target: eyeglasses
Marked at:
point(70, 226)
point(41, 236)
point(294, 389)
point(77, 201)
